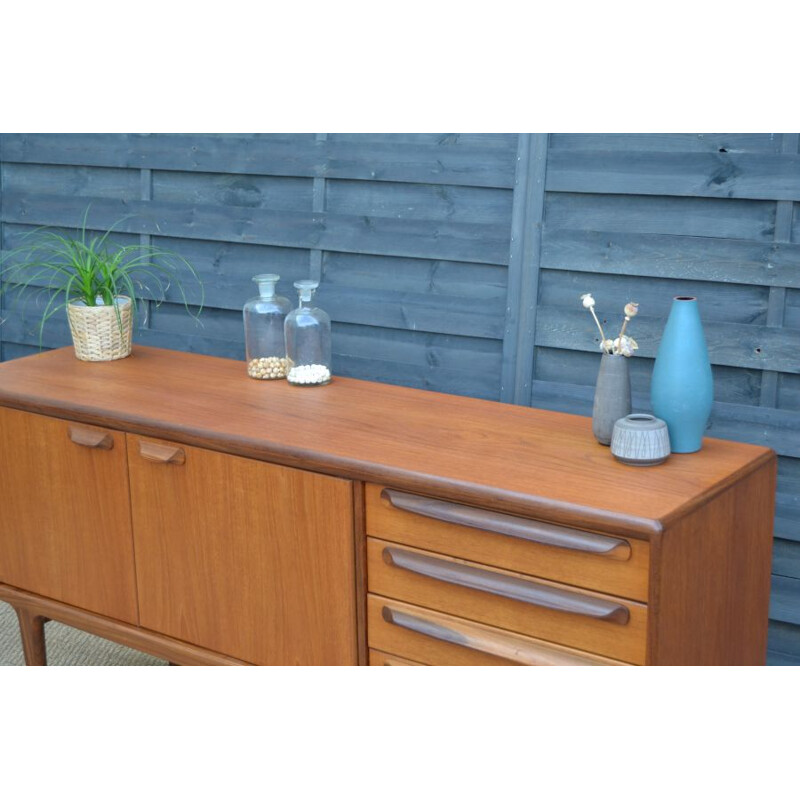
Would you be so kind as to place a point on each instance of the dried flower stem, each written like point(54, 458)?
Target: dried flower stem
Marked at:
point(599, 327)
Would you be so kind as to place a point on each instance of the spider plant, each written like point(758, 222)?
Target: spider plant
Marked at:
point(93, 270)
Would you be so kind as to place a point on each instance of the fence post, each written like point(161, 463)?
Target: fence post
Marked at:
point(527, 217)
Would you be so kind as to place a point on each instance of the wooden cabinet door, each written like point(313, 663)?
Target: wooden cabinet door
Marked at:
point(65, 524)
point(249, 559)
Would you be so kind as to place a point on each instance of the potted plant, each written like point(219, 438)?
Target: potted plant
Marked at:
point(99, 282)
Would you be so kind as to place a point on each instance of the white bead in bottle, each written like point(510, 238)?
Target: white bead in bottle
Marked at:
point(308, 340)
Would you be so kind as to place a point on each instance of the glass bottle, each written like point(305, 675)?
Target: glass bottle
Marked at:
point(265, 344)
point(308, 340)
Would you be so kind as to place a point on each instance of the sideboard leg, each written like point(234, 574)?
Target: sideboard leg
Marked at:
point(31, 629)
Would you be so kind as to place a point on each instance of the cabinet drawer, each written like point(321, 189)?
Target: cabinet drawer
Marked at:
point(609, 564)
point(545, 610)
point(379, 659)
point(430, 637)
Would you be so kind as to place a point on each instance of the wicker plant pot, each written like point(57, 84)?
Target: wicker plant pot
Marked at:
point(97, 333)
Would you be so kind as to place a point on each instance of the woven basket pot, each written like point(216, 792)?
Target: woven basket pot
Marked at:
point(97, 333)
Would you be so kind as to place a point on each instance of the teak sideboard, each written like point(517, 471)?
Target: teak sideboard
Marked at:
point(169, 502)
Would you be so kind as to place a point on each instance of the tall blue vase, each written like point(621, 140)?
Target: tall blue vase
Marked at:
point(682, 389)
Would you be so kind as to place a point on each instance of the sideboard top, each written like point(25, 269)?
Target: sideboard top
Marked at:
point(522, 460)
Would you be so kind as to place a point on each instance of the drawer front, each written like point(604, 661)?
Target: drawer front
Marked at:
point(429, 637)
point(544, 610)
point(379, 659)
point(609, 564)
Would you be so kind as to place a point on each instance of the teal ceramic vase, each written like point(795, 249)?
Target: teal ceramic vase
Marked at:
point(682, 389)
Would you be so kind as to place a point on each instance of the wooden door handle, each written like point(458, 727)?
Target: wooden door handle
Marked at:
point(507, 525)
point(526, 591)
point(91, 437)
point(162, 453)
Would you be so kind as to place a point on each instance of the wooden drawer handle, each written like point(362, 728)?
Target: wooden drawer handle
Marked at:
point(162, 453)
point(427, 628)
point(495, 643)
point(507, 525)
point(531, 592)
point(91, 437)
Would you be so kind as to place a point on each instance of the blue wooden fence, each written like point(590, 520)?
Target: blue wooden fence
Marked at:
point(454, 262)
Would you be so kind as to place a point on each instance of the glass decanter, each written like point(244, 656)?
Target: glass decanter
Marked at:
point(308, 340)
point(264, 317)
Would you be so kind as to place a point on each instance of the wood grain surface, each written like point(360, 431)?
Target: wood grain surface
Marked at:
point(65, 524)
point(379, 659)
point(249, 559)
point(444, 640)
point(711, 583)
point(35, 609)
point(626, 578)
point(515, 459)
point(625, 642)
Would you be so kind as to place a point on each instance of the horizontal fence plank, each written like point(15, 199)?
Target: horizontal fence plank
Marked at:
point(418, 348)
point(406, 311)
point(678, 216)
point(731, 384)
point(249, 191)
point(669, 142)
point(224, 288)
point(506, 141)
point(465, 165)
point(11, 351)
point(213, 323)
point(791, 318)
point(756, 176)
point(775, 659)
point(435, 276)
point(417, 238)
point(717, 303)
point(784, 639)
point(121, 184)
point(787, 514)
point(785, 600)
point(730, 344)
point(226, 270)
point(786, 558)
point(768, 427)
point(403, 311)
point(378, 309)
point(419, 201)
point(436, 379)
point(359, 198)
point(789, 392)
point(455, 364)
point(438, 363)
point(693, 258)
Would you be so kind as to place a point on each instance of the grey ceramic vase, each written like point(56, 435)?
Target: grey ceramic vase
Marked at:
point(612, 396)
point(641, 440)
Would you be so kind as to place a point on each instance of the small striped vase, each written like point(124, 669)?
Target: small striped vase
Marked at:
point(641, 440)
